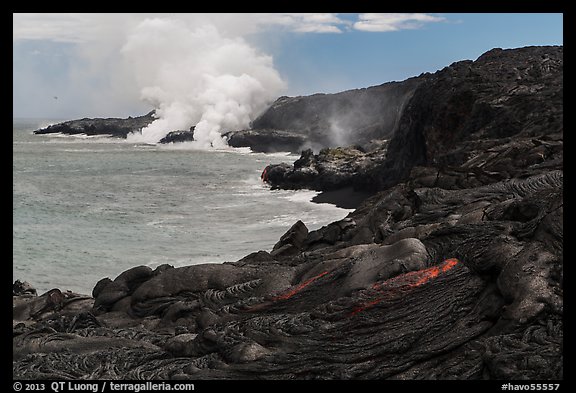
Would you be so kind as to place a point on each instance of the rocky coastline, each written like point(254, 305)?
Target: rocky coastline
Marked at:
point(451, 266)
point(114, 127)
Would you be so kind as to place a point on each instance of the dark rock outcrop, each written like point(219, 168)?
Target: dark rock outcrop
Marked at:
point(506, 96)
point(178, 136)
point(289, 124)
point(451, 270)
point(415, 284)
point(330, 169)
point(350, 117)
point(115, 127)
point(471, 123)
point(292, 242)
point(266, 141)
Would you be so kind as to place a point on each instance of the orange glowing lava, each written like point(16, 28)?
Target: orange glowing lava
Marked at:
point(293, 291)
point(407, 280)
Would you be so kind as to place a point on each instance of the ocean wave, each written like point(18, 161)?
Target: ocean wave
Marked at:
point(59, 137)
point(300, 196)
point(79, 136)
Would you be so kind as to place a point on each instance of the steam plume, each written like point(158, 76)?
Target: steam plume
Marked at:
point(197, 77)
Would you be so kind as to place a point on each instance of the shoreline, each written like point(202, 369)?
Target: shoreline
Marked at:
point(453, 270)
point(344, 198)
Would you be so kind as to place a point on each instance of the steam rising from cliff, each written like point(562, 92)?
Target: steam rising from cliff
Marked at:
point(197, 77)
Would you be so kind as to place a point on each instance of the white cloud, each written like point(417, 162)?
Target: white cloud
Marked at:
point(84, 27)
point(74, 28)
point(315, 23)
point(95, 67)
point(81, 28)
point(317, 28)
point(302, 22)
point(394, 22)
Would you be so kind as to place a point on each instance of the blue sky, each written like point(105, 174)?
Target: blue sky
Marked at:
point(359, 58)
point(79, 58)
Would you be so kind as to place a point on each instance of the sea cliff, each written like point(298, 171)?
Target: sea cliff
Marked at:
point(451, 267)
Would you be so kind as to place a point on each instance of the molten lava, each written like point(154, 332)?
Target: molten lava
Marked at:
point(293, 291)
point(264, 175)
point(407, 280)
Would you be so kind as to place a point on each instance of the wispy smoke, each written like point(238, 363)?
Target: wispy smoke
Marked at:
point(339, 132)
point(197, 77)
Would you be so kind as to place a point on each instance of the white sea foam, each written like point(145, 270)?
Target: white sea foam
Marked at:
point(195, 146)
point(59, 137)
point(78, 136)
point(284, 154)
point(301, 196)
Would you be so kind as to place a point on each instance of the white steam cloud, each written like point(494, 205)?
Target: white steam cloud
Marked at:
point(197, 77)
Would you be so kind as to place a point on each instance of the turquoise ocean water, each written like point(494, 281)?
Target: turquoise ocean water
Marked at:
point(85, 208)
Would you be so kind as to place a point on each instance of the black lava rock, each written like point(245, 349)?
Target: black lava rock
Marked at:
point(451, 269)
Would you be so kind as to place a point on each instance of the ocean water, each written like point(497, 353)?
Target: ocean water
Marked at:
point(85, 208)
